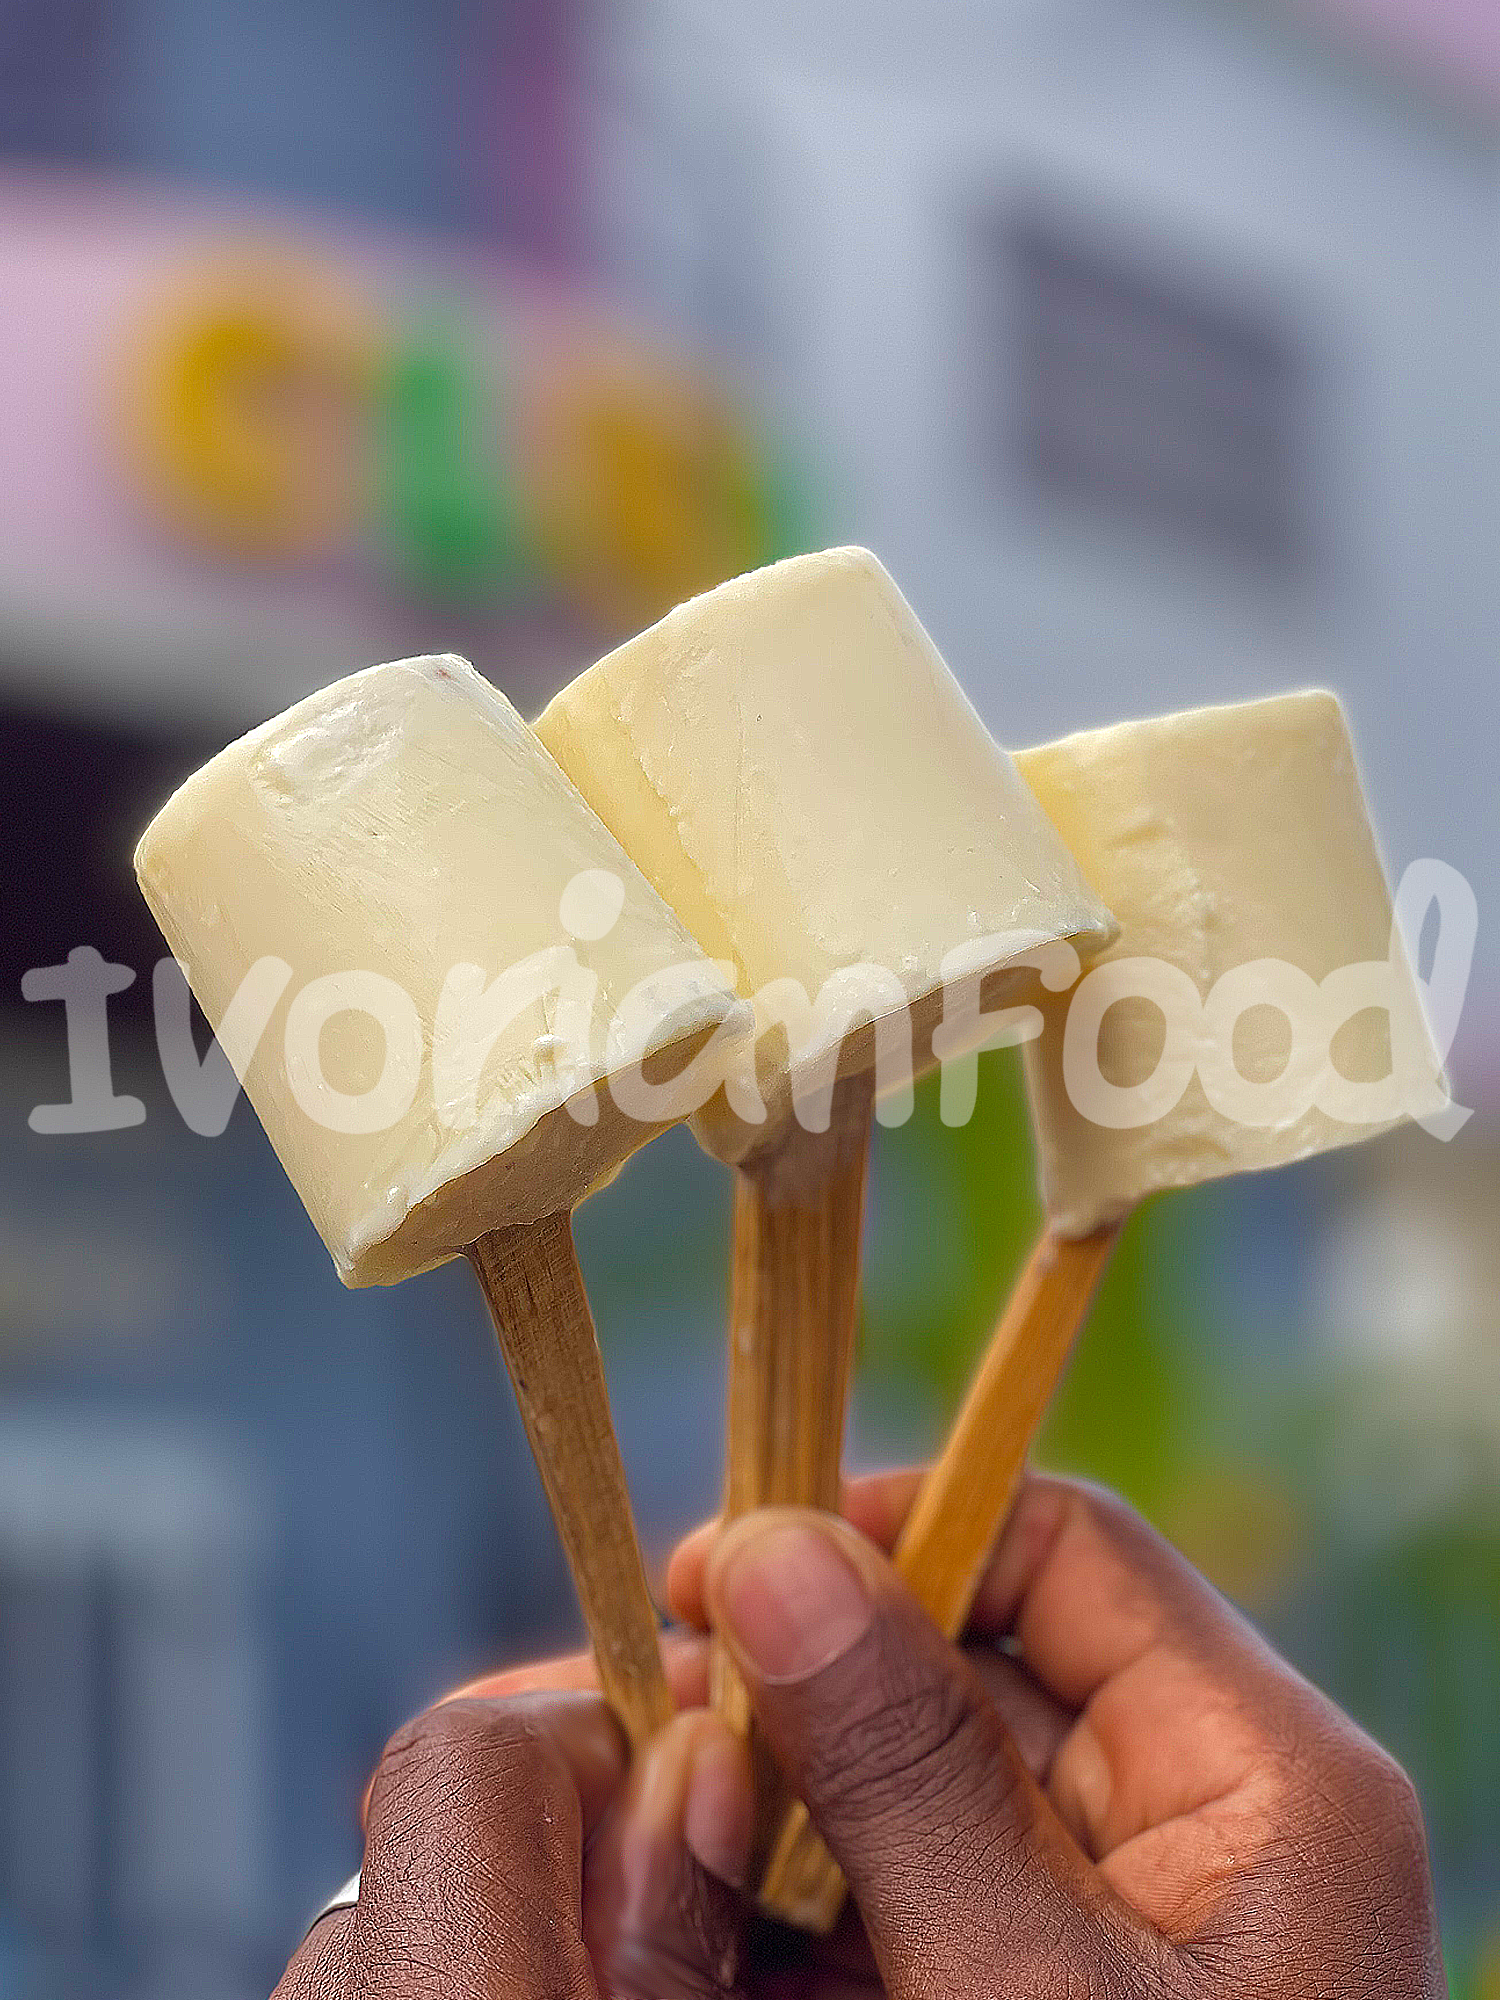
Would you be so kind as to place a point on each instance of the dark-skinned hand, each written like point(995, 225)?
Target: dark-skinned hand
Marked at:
point(1113, 1788)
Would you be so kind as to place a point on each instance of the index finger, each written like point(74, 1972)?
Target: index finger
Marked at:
point(684, 1656)
point(1090, 1591)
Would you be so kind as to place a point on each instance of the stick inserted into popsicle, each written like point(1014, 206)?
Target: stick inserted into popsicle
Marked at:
point(795, 769)
point(1235, 849)
point(396, 876)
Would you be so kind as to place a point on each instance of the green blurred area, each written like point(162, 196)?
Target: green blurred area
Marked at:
point(955, 1213)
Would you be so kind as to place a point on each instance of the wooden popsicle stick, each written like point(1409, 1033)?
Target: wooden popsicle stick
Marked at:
point(530, 1278)
point(798, 1211)
point(965, 1500)
point(961, 1507)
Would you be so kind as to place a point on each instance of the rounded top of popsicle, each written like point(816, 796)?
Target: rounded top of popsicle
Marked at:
point(302, 752)
point(798, 773)
point(1258, 1005)
point(430, 961)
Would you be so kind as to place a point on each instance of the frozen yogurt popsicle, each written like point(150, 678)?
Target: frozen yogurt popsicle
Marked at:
point(1235, 849)
point(452, 964)
point(795, 769)
point(1235, 844)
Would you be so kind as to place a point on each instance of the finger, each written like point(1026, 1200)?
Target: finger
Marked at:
point(685, 1571)
point(684, 1655)
point(568, 1671)
point(473, 1857)
point(1086, 1586)
point(877, 1505)
point(1038, 1725)
point(1110, 1618)
point(1200, 1757)
point(660, 1914)
point(951, 1851)
point(1179, 1698)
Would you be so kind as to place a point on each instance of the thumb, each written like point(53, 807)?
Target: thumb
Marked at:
point(661, 1918)
point(958, 1864)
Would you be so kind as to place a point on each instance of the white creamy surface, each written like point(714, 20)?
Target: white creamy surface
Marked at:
point(798, 773)
point(402, 822)
point(1218, 837)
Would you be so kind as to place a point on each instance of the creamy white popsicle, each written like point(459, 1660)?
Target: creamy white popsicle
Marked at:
point(1223, 839)
point(461, 959)
point(399, 824)
point(798, 773)
point(1234, 847)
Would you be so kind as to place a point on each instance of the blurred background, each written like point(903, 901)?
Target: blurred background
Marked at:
point(1153, 344)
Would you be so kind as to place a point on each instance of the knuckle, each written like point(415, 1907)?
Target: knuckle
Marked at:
point(1104, 1508)
point(1360, 1843)
point(441, 1764)
point(465, 1858)
point(1113, 1521)
point(1361, 1783)
point(1392, 1801)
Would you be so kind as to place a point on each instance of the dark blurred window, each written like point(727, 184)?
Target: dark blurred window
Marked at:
point(1142, 396)
point(60, 79)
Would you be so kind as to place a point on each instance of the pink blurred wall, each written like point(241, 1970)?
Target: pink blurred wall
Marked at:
point(1463, 36)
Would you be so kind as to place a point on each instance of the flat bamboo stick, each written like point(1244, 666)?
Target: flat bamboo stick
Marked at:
point(798, 1212)
point(962, 1507)
point(530, 1278)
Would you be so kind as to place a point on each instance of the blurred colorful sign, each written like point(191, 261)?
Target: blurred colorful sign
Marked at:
point(272, 411)
point(239, 427)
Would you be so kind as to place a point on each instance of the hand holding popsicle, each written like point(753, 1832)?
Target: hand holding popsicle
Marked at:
point(784, 775)
point(1115, 1787)
point(1234, 846)
point(393, 845)
point(999, 1839)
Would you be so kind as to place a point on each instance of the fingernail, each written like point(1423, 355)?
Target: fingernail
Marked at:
point(789, 1600)
point(719, 1816)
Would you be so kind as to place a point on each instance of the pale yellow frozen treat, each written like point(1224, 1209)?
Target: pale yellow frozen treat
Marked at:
point(452, 948)
point(798, 773)
point(1267, 1012)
